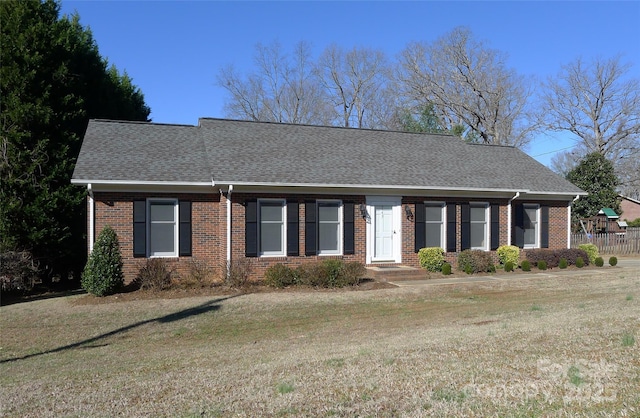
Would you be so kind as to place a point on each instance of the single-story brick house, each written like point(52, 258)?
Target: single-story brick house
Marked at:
point(227, 190)
point(630, 208)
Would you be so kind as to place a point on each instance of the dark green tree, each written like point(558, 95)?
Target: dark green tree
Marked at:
point(595, 175)
point(52, 81)
point(103, 273)
point(425, 122)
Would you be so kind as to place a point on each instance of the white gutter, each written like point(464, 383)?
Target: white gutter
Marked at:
point(509, 217)
point(229, 191)
point(569, 221)
point(91, 218)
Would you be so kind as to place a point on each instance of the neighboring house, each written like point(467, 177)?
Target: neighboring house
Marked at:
point(630, 208)
point(277, 193)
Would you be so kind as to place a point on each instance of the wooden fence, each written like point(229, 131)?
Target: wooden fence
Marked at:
point(626, 243)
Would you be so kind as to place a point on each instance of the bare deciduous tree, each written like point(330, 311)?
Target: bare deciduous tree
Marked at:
point(283, 89)
point(597, 103)
point(469, 85)
point(352, 81)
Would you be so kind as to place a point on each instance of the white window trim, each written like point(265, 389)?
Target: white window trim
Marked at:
point(487, 224)
point(537, 226)
point(176, 231)
point(443, 221)
point(283, 240)
point(340, 249)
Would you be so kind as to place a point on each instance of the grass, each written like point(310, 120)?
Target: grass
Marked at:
point(410, 351)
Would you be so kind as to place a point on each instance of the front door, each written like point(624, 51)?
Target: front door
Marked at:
point(384, 229)
point(383, 247)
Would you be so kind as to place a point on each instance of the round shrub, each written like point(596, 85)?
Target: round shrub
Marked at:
point(279, 275)
point(579, 262)
point(542, 265)
point(102, 274)
point(563, 264)
point(474, 261)
point(526, 265)
point(591, 250)
point(431, 258)
point(599, 262)
point(508, 266)
point(154, 274)
point(508, 253)
point(446, 269)
point(613, 261)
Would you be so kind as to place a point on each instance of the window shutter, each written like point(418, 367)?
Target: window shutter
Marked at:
point(349, 228)
point(251, 229)
point(451, 227)
point(518, 230)
point(544, 226)
point(310, 228)
point(465, 227)
point(495, 227)
point(184, 211)
point(420, 231)
point(139, 228)
point(292, 228)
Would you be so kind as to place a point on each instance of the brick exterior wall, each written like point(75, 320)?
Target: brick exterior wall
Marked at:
point(630, 210)
point(209, 222)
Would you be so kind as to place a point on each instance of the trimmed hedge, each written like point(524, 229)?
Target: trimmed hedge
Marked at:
point(431, 258)
point(475, 261)
point(553, 257)
point(326, 274)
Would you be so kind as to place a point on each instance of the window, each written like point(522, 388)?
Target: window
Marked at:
point(163, 228)
point(329, 227)
point(478, 217)
point(434, 224)
point(531, 224)
point(271, 219)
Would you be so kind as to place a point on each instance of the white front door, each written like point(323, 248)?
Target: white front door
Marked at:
point(384, 225)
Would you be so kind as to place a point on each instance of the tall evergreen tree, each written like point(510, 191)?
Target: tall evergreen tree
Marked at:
point(52, 81)
point(595, 175)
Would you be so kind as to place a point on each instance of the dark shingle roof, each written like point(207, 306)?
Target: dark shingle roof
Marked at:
point(242, 152)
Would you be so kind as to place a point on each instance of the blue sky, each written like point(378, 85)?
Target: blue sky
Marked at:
point(173, 49)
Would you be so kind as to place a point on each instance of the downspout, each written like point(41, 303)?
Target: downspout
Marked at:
point(569, 221)
point(517, 195)
point(229, 191)
point(91, 217)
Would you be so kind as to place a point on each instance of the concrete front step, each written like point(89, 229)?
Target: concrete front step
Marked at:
point(395, 272)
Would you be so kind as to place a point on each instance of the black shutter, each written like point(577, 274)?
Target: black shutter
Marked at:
point(518, 230)
point(544, 226)
point(349, 230)
point(310, 228)
point(451, 228)
point(420, 227)
point(139, 228)
point(465, 227)
point(495, 227)
point(185, 228)
point(251, 229)
point(292, 228)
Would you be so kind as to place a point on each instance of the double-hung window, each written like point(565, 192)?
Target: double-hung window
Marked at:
point(329, 227)
point(163, 228)
point(479, 214)
point(271, 219)
point(434, 224)
point(531, 222)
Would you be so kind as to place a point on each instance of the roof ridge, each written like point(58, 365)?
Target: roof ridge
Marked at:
point(140, 122)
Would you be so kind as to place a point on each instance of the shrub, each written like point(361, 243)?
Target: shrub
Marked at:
point(353, 272)
point(599, 262)
point(446, 269)
point(508, 253)
point(279, 275)
point(237, 272)
point(431, 258)
point(508, 266)
point(102, 274)
point(542, 265)
point(579, 262)
point(570, 254)
point(563, 263)
point(613, 261)
point(526, 265)
point(591, 250)
point(18, 271)
point(201, 273)
point(330, 273)
point(154, 274)
point(550, 257)
point(474, 261)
